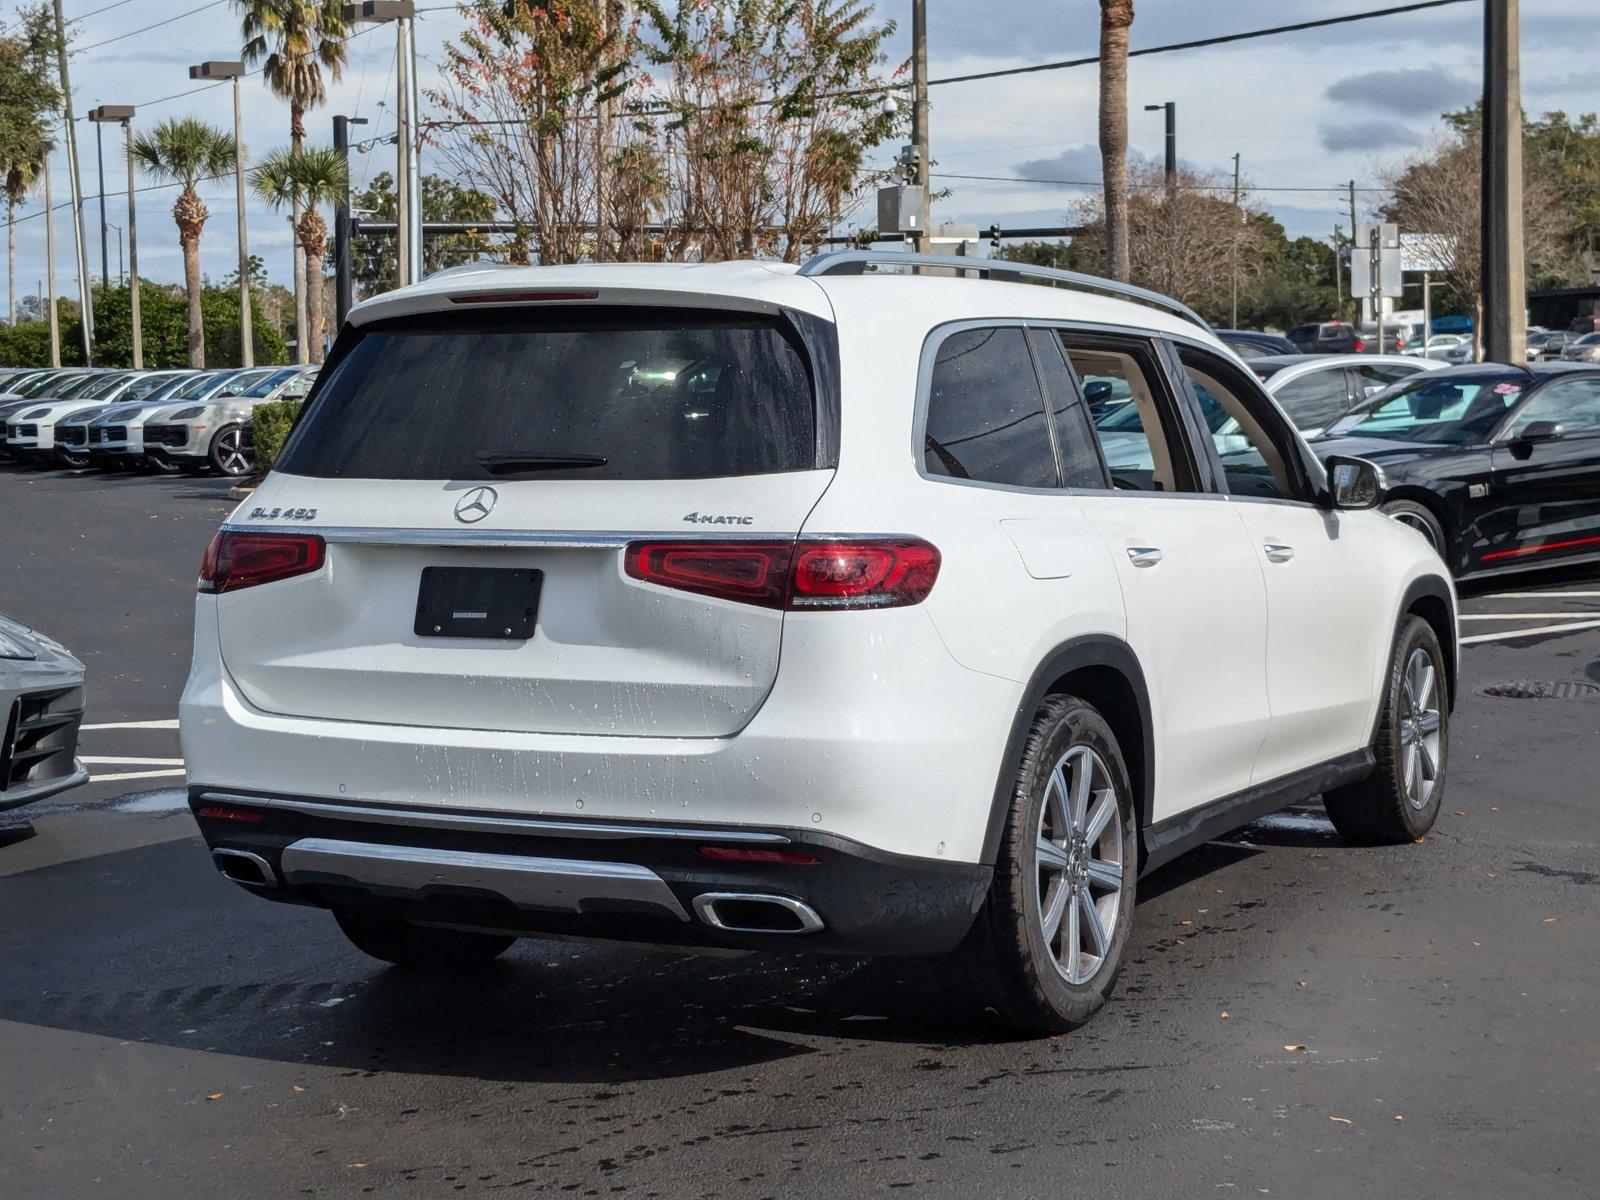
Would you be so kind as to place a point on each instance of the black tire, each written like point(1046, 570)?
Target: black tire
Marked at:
point(1007, 962)
point(389, 937)
point(1391, 805)
point(1420, 517)
point(227, 454)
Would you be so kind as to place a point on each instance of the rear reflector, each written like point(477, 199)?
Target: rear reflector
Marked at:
point(805, 574)
point(236, 560)
point(728, 854)
point(227, 812)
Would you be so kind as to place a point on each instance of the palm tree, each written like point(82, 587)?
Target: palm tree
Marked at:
point(305, 180)
point(185, 151)
point(1115, 18)
point(293, 40)
point(21, 176)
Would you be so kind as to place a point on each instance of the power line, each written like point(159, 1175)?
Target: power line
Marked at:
point(122, 37)
point(1195, 187)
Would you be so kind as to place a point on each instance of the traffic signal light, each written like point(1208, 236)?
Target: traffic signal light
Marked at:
point(994, 235)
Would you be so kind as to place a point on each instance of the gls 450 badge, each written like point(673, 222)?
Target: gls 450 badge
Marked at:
point(699, 518)
point(283, 514)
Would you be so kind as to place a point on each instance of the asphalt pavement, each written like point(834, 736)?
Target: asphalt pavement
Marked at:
point(1299, 1018)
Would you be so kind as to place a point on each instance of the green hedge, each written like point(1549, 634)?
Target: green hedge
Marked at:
point(272, 424)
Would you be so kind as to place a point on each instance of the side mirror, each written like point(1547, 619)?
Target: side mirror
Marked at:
point(1354, 483)
point(1097, 392)
point(1541, 431)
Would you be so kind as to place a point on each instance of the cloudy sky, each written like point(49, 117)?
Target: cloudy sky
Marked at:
point(1306, 111)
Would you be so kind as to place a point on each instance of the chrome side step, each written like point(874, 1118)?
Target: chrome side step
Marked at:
point(558, 884)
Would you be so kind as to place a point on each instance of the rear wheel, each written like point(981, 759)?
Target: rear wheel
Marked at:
point(387, 936)
point(1400, 800)
point(1046, 950)
point(228, 455)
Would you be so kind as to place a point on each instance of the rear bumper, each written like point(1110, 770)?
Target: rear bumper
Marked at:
point(635, 881)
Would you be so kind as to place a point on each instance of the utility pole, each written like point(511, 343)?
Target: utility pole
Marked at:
point(343, 271)
point(1354, 233)
point(414, 152)
point(407, 187)
point(50, 268)
point(919, 118)
point(234, 70)
point(100, 158)
point(1503, 271)
point(85, 297)
point(1233, 250)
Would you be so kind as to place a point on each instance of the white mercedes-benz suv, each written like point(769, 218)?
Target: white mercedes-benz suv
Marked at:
point(741, 605)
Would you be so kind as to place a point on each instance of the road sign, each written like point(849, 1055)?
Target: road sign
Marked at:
point(1375, 261)
point(1429, 253)
point(900, 209)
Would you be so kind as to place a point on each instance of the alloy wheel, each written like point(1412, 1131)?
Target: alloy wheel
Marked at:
point(230, 455)
point(1078, 875)
point(1421, 727)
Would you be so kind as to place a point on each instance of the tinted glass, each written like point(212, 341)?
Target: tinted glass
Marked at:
point(1080, 459)
point(1374, 377)
point(1315, 399)
point(1573, 404)
point(71, 387)
point(1456, 410)
point(245, 380)
point(193, 386)
point(633, 393)
point(986, 417)
point(149, 386)
point(102, 385)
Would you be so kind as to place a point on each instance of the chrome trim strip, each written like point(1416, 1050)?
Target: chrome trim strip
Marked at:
point(542, 538)
point(486, 823)
point(564, 885)
point(705, 907)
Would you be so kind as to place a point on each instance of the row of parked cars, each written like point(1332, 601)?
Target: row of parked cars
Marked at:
point(1340, 337)
point(194, 421)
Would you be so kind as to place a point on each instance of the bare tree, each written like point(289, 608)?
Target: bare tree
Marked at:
point(1116, 16)
point(1438, 193)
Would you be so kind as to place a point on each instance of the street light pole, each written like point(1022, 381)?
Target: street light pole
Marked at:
point(122, 114)
point(225, 69)
point(343, 274)
point(1170, 107)
point(100, 159)
point(50, 267)
point(1503, 270)
point(919, 118)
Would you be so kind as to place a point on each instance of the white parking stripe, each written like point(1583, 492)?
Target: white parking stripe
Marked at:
point(137, 762)
point(172, 724)
point(1534, 632)
point(1580, 615)
point(137, 775)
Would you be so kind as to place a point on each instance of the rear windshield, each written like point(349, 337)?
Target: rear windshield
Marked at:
point(604, 393)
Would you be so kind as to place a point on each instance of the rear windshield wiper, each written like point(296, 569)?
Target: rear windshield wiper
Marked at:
point(514, 462)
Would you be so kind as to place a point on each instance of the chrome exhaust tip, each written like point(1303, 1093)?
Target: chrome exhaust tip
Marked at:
point(241, 866)
point(754, 912)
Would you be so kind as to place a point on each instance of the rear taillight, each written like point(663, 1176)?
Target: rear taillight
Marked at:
point(1360, 346)
point(805, 574)
point(240, 560)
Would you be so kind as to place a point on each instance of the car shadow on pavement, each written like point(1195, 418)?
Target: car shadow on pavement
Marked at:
point(165, 951)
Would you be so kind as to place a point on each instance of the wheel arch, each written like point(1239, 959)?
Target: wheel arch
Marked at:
point(1430, 598)
point(1104, 671)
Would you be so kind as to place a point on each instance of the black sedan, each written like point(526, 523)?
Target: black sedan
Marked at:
point(1249, 343)
point(1498, 466)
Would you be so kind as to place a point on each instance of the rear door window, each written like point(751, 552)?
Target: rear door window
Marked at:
point(986, 416)
point(593, 393)
point(1080, 456)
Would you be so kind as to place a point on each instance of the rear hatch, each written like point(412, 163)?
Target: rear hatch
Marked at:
point(497, 462)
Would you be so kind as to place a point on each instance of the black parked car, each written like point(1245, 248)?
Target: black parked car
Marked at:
point(1249, 343)
point(1498, 466)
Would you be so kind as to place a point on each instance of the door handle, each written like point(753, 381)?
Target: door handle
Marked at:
point(1276, 552)
point(1144, 556)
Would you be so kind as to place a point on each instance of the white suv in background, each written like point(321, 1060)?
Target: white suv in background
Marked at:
point(748, 606)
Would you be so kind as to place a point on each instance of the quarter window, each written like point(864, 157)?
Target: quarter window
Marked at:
point(1080, 456)
point(986, 416)
point(1574, 404)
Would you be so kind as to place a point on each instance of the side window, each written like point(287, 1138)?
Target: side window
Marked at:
point(1315, 399)
point(986, 418)
point(1252, 462)
point(1121, 386)
point(1374, 377)
point(1080, 457)
point(1574, 404)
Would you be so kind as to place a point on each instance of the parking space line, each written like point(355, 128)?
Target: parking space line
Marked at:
point(93, 778)
point(172, 724)
point(136, 762)
point(1570, 627)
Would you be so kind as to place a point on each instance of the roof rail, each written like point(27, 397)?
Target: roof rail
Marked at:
point(856, 262)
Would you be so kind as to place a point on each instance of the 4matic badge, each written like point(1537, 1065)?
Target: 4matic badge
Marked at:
point(699, 518)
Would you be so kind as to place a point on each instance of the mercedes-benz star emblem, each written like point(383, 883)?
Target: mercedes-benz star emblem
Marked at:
point(476, 504)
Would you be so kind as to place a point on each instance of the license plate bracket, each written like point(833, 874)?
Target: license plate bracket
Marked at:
point(500, 603)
